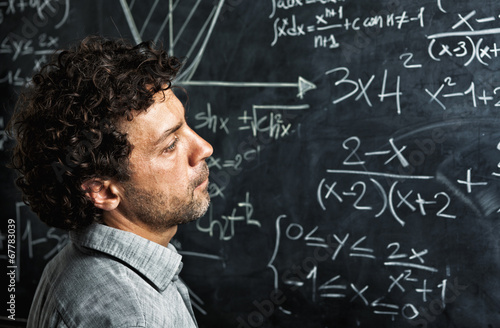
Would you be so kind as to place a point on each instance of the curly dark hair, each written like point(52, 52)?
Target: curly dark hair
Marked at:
point(66, 123)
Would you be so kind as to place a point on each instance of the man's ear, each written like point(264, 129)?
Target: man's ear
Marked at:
point(103, 193)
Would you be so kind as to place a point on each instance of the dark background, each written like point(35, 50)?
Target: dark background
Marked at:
point(369, 200)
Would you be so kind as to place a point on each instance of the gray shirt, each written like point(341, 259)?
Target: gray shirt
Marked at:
point(112, 278)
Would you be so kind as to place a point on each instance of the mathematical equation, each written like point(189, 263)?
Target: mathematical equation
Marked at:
point(43, 45)
point(38, 50)
point(477, 96)
point(391, 88)
point(350, 87)
point(226, 224)
point(28, 41)
point(459, 44)
point(404, 269)
point(391, 200)
point(272, 120)
point(465, 49)
point(52, 237)
point(290, 4)
point(222, 171)
point(333, 19)
point(367, 192)
point(41, 8)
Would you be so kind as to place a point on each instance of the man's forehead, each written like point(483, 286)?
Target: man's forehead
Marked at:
point(165, 113)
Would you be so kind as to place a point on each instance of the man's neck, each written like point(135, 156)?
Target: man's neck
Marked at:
point(115, 220)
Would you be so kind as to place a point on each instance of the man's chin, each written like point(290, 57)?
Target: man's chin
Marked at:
point(197, 210)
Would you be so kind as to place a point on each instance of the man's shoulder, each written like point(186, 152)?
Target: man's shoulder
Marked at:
point(73, 271)
point(82, 285)
point(104, 280)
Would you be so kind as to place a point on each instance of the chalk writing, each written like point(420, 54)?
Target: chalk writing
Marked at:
point(211, 121)
point(351, 87)
point(302, 85)
point(467, 43)
point(275, 125)
point(14, 78)
point(498, 165)
point(332, 19)
point(289, 4)
point(393, 198)
point(243, 212)
point(17, 48)
point(390, 200)
point(449, 90)
point(406, 268)
point(50, 237)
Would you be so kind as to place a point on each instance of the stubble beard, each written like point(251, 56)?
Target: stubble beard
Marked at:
point(161, 212)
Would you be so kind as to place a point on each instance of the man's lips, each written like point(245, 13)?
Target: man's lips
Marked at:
point(203, 184)
point(203, 180)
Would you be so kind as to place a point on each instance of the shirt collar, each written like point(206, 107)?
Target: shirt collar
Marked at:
point(157, 263)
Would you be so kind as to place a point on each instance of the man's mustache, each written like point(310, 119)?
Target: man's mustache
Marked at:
point(203, 175)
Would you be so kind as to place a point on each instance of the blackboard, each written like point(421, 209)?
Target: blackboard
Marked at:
point(355, 177)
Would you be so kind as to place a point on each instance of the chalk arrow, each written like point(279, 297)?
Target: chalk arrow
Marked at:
point(302, 85)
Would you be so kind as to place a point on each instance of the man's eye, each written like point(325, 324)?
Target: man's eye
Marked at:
point(172, 146)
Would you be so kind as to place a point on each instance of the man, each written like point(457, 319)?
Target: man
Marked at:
point(104, 151)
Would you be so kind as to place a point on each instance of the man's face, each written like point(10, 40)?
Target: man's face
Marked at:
point(169, 175)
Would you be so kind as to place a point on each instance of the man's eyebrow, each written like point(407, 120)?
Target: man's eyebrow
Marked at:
point(166, 133)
